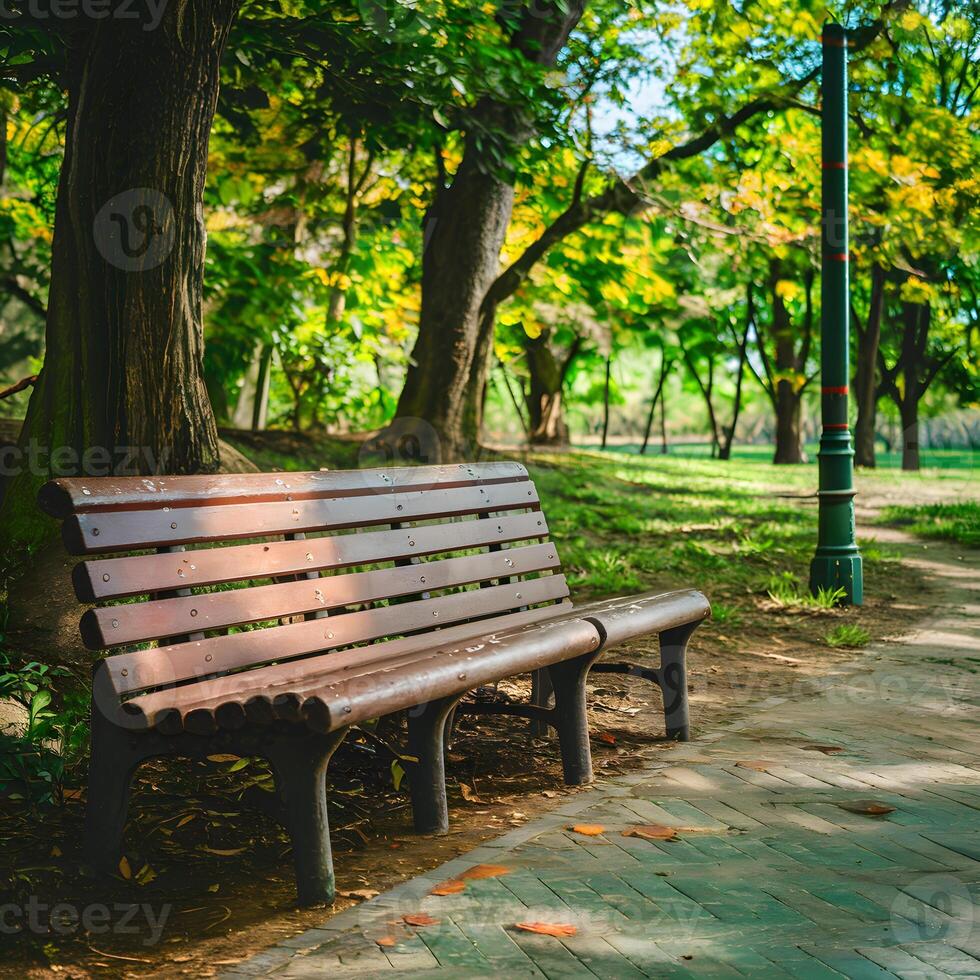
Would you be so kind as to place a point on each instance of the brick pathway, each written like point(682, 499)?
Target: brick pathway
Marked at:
point(778, 879)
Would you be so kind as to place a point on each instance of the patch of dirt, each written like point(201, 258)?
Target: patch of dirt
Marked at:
point(211, 876)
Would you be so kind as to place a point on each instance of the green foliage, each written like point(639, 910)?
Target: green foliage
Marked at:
point(951, 522)
point(785, 589)
point(848, 636)
point(36, 758)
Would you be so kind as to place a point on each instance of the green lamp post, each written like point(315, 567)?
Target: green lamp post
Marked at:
point(837, 562)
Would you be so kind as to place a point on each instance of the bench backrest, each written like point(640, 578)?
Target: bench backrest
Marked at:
point(342, 558)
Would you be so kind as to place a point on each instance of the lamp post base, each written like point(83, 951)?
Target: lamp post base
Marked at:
point(838, 572)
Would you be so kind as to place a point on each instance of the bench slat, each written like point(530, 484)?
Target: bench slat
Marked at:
point(139, 529)
point(306, 675)
point(75, 495)
point(445, 672)
point(137, 622)
point(132, 672)
point(116, 578)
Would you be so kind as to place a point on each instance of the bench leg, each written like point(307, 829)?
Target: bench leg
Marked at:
point(571, 718)
point(672, 678)
point(427, 724)
point(541, 696)
point(115, 755)
point(300, 765)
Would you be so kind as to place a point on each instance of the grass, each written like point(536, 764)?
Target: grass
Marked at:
point(950, 522)
point(848, 636)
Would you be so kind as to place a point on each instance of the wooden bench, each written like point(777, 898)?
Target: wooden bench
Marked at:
point(264, 614)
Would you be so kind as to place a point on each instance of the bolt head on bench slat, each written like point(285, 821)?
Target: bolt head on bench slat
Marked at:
point(71, 495)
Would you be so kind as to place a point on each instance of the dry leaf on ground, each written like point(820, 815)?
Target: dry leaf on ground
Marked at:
point(588, 829)
point(652, 831)
point(387, 941)
point(868, 808)
point(364, 893)
point(756, 765)
point(484, 871)
point(419, 919)
point(548, 928)
point(451, 887)
point(469, 794)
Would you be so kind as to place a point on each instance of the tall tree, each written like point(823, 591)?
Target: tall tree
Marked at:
point(465, 230)
point(122, 386)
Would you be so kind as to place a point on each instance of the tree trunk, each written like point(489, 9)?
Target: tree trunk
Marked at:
point(725, 449)
point(122, 386)
point(789, 435)
point(910, 434)
point(605, 401)
point(545, 397)
point(465, 230)
point(865, 372)
point(546, 425)
point(788, 399)
point(665, 366)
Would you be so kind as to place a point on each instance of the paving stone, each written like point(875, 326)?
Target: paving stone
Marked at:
point(787, 885)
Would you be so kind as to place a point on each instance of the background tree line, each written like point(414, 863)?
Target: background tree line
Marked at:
point(448, 211)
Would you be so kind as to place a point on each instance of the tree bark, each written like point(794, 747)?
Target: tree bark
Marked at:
point(465, 230)
point(605, 401)
point(725, 449)
point(865, 372)
point(665, 366)
point(545, 396)
point(790, 365)
point(122, 386)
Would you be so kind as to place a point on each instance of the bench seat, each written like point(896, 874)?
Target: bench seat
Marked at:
point(266, 614)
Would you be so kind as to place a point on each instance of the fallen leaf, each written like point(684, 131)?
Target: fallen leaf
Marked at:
point(485, 871)
point(652, 831)
point(184, 820)
point(469, 794)
point(549, 794)
point(364, 893)
point(124, 869)
point(757, 766)
point(71, 794)
point(607, 738)
point(419, 919)
point(224, 851)
point(222, 757)
point(869, 808)
point(548, 928)
point(449, 887)
point(145, 875)
point(826, 749)
point(588, 829)
point(55, 852)
point(387, 941)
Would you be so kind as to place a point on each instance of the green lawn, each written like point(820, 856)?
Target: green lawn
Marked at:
point(952, 522)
